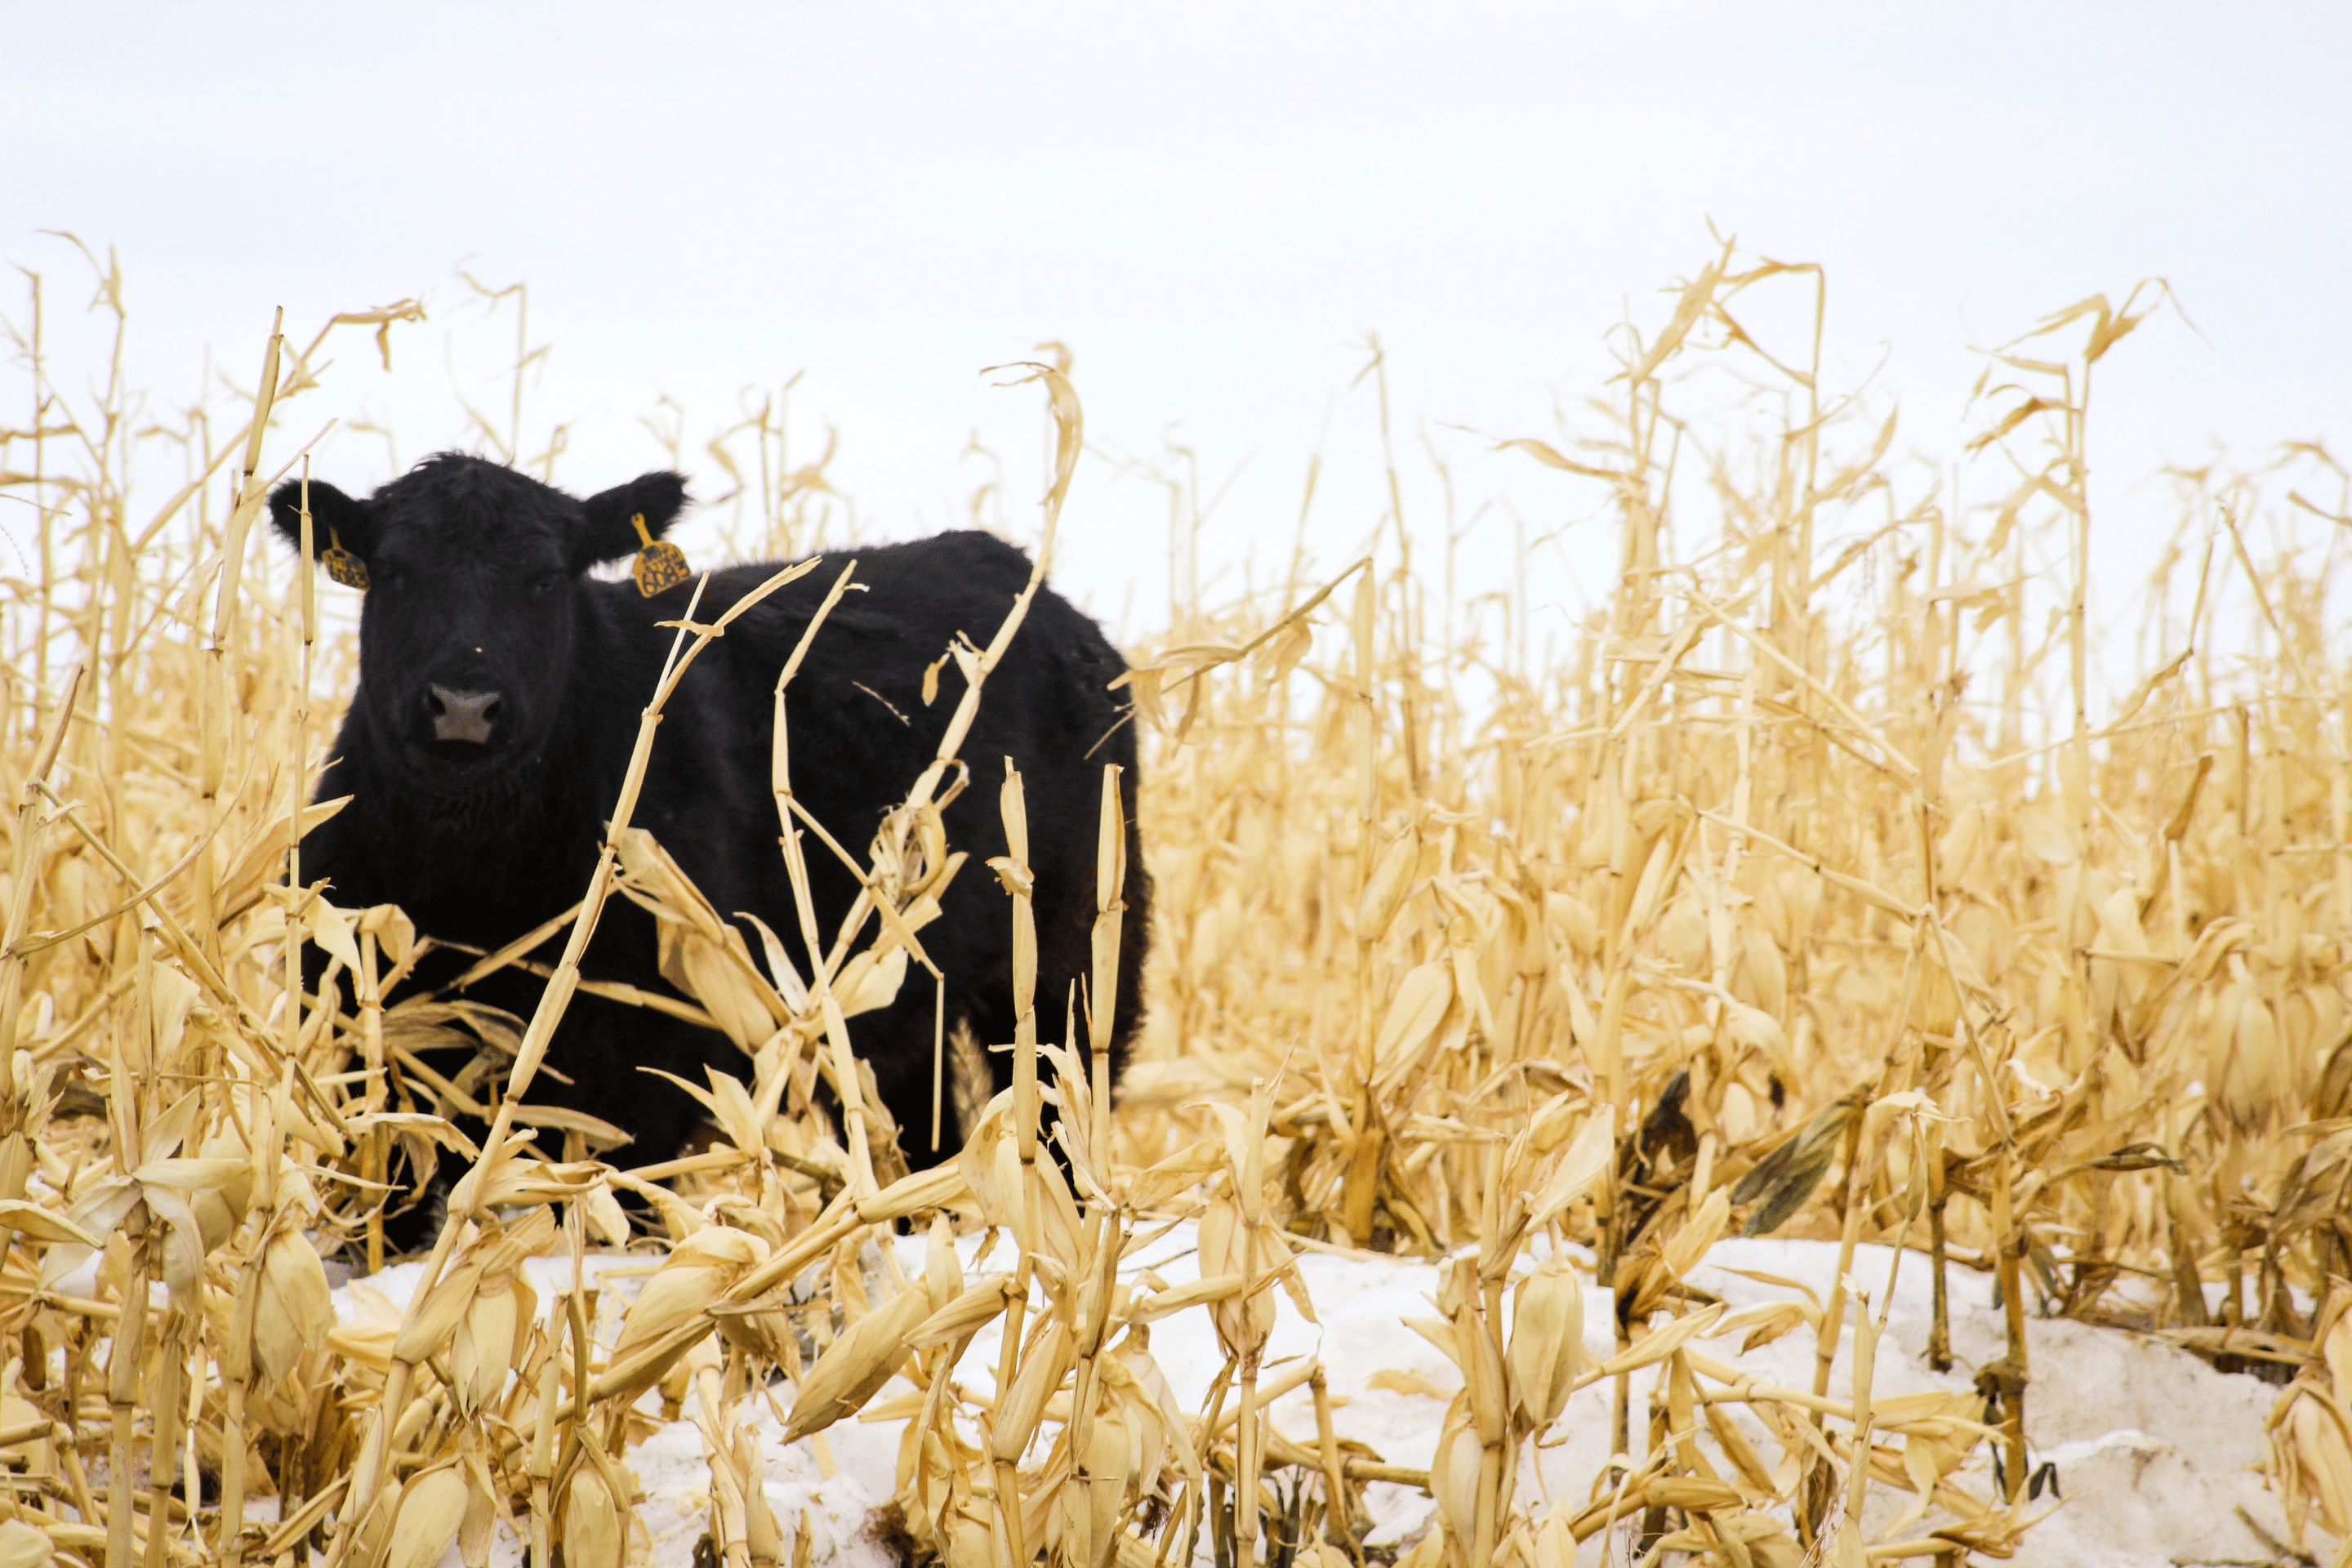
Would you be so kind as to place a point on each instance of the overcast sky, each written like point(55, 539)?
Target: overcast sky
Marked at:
point(1210, 205)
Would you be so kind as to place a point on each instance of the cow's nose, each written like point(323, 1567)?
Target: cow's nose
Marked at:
point(462, 715)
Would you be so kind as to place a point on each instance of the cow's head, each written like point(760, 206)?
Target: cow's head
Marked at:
point(472, 574)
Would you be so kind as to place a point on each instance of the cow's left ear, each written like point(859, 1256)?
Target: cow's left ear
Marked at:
point(609, 529)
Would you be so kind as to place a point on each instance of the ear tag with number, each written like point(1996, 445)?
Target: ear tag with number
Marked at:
point(341, 566)
point(660, 565)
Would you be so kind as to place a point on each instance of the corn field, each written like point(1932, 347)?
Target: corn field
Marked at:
point(1813, 886)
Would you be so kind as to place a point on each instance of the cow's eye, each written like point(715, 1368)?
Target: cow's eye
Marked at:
point(547, 582)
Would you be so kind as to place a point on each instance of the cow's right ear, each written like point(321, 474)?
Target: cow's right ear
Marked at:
point(337, 521)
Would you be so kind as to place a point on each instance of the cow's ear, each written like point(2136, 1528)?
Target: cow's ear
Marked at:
point(609, 529)
point(336, 520)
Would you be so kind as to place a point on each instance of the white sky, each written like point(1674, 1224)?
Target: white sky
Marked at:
point(1211, 203)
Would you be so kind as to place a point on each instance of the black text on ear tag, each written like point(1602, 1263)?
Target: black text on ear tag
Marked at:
point(341, 566)
point(660, 565)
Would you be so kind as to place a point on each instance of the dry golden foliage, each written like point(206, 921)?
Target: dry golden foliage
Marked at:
point(1655, 939)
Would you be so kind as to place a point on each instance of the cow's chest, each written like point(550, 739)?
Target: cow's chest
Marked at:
point(467, 870)
point(492, 893)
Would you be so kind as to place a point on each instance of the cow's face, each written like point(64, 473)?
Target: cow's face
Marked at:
point(473, 580)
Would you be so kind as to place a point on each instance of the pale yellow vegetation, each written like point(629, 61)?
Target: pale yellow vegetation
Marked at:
point(1818, 840)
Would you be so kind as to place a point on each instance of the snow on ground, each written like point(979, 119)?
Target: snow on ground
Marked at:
point(2158, 1456)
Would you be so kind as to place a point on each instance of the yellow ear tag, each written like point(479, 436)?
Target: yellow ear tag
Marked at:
point(341, 566)
point(660, 565)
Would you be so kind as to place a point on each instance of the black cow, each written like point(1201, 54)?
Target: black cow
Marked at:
point(500, 693)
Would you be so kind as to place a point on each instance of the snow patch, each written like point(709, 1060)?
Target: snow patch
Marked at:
point(2155, 1453)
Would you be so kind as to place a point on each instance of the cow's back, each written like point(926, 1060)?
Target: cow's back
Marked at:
point(861, 733)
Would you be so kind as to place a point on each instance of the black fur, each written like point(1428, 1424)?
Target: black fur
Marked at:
point(476, 586)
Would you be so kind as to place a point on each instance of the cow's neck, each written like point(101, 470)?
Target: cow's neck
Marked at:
point(483, 857)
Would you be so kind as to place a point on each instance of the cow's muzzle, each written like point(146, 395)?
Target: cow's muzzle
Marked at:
point(462, 715)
